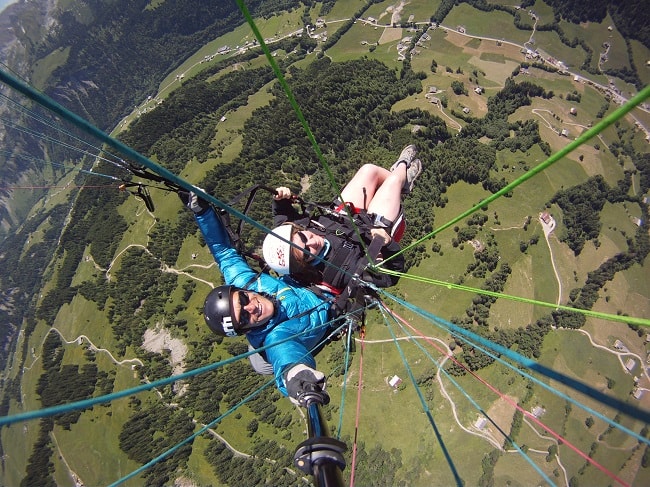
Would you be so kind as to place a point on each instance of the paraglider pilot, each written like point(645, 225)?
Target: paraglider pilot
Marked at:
point(263, 308)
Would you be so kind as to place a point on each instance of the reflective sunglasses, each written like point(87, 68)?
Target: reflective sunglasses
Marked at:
point(306, 255)
point(244, 316)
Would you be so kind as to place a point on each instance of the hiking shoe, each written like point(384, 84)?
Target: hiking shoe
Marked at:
point(406, 156)
point(412, 172)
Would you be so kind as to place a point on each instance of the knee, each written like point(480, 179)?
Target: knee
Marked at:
point(368, 170)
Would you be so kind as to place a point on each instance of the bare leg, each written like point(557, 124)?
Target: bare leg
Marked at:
point(382, 190)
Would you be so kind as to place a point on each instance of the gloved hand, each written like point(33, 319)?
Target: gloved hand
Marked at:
point(300, 379)
point(193, 202)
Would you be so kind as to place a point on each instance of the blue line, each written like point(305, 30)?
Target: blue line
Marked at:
point(475, 404)
point(543, 370)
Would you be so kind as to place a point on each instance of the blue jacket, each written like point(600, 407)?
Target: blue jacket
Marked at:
point(292, 301)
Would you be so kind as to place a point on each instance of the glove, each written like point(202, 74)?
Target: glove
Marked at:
point(193, 202)
point(303, 379)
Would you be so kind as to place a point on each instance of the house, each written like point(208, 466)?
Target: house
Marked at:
point(573, 111)
point(630, 364)
point(465, 110)
point(480, 423)
point(564, 133)
point(394, 382)
point(538, 411)
point(545, 217)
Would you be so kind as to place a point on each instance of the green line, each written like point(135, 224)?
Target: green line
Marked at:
point(459, 287)
point(595, 130)
point(287, 90)
point(299, 114)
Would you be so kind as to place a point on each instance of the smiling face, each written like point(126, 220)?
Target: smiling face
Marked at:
point(310, 242)
point(251, 310)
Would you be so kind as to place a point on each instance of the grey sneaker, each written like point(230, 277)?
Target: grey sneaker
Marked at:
point(412, 173)
point(407, 155)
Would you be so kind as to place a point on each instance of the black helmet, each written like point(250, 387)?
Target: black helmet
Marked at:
point(217, 311)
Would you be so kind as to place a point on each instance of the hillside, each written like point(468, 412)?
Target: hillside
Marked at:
point(107, 294)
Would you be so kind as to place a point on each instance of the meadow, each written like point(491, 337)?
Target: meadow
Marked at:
point(397, 417)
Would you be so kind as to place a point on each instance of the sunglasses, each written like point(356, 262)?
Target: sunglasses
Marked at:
point(244, 316)
point(306, 255)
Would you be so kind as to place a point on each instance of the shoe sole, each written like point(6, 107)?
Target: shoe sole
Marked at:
point(414, 170)
point(407, 155)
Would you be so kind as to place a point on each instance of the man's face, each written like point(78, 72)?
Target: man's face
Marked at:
point(251, 310)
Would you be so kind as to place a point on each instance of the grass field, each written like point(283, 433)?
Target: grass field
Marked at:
point(640, 56)
point(396, 418)
point(363, 39)
point(596, 35)
point(495, 25)
point(343, 10)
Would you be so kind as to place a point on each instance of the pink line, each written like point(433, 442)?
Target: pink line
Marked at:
point(515, 405)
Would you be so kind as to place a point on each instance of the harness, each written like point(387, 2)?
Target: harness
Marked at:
point(323, 218)
point(345, 251)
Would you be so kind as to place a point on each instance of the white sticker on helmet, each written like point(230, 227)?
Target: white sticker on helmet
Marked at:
point(228, 327)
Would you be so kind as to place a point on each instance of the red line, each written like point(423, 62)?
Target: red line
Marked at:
point(356, 421)
point(515, 405)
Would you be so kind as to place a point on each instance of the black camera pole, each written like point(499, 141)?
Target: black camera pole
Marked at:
point(319, 455)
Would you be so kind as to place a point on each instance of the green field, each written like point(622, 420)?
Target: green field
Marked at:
point(421, 434)
point(640, 56)
point(495, 25)
point(596, 35)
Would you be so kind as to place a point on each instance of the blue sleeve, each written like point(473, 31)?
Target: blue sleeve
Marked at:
point(233, 266)
point(287, 354)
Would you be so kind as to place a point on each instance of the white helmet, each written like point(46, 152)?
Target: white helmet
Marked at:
point(277, 252)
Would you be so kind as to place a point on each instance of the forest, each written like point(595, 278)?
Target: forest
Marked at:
point(274, 146)
point(349, 106)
